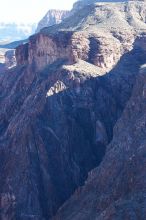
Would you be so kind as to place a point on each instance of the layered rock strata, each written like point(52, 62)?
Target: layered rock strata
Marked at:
point(61, 102)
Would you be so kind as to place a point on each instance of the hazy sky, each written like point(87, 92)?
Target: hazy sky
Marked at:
point(29, 11)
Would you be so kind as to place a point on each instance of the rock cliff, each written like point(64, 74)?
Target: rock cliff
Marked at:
point(60, 105)
point(117, 190)
point(51, 18)
point(100, 35)
point(7, 59)
point(10, 59)
point(7, 54)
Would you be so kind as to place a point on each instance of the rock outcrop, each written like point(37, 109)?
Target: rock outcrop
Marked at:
point(10, 59)
point(81, 3)
point(60, 104)
point(51, 18)
point(7, 54)
point(7, 59)
point(100, 35)
point(117, 190)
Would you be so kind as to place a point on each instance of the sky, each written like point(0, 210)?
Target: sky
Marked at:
point(29, 11)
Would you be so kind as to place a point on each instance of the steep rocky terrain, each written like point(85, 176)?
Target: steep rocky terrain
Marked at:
point(117, 189)
point(81, 3)
point(7, 59)
point(59, 107)
point(7, 54)
point(51, 18)
point(10, 59)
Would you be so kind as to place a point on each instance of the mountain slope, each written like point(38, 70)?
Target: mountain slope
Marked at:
point(51, 18)
point(61, 102)
point(105, 17)
point(117, 190)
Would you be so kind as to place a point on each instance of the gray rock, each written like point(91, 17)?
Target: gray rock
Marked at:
point(59, 106)
point(116, 189)
point(51, 18)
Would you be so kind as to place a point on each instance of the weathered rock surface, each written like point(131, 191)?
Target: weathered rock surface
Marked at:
point(100, 35)
point(7, 59)
point(61, 102)
point(117, 189)
point(51, 18)
point(10, 59)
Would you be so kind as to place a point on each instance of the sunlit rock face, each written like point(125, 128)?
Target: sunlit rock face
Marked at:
point(100, 39)
point(97, 49)
point(59, 107)
point(81, 3)
point(51, 18)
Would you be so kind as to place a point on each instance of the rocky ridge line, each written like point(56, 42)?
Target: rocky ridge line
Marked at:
point(51, 18)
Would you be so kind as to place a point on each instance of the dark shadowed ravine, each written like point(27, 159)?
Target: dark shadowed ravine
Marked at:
point(72, 119)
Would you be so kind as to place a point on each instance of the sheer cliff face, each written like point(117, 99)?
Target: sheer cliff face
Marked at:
point(51, 18)
point(74, 46)
point(117, 189)
point(100, 35)
point(59, 107)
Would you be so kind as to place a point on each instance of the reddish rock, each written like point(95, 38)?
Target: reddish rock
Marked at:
point(56, 119)
point(117, 189)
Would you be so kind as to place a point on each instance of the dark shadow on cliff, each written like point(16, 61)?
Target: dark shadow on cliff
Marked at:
point(69, 128)
point(66, 133)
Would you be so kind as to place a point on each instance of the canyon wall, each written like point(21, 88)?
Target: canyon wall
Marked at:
point(116, 189)
point(60, 105)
